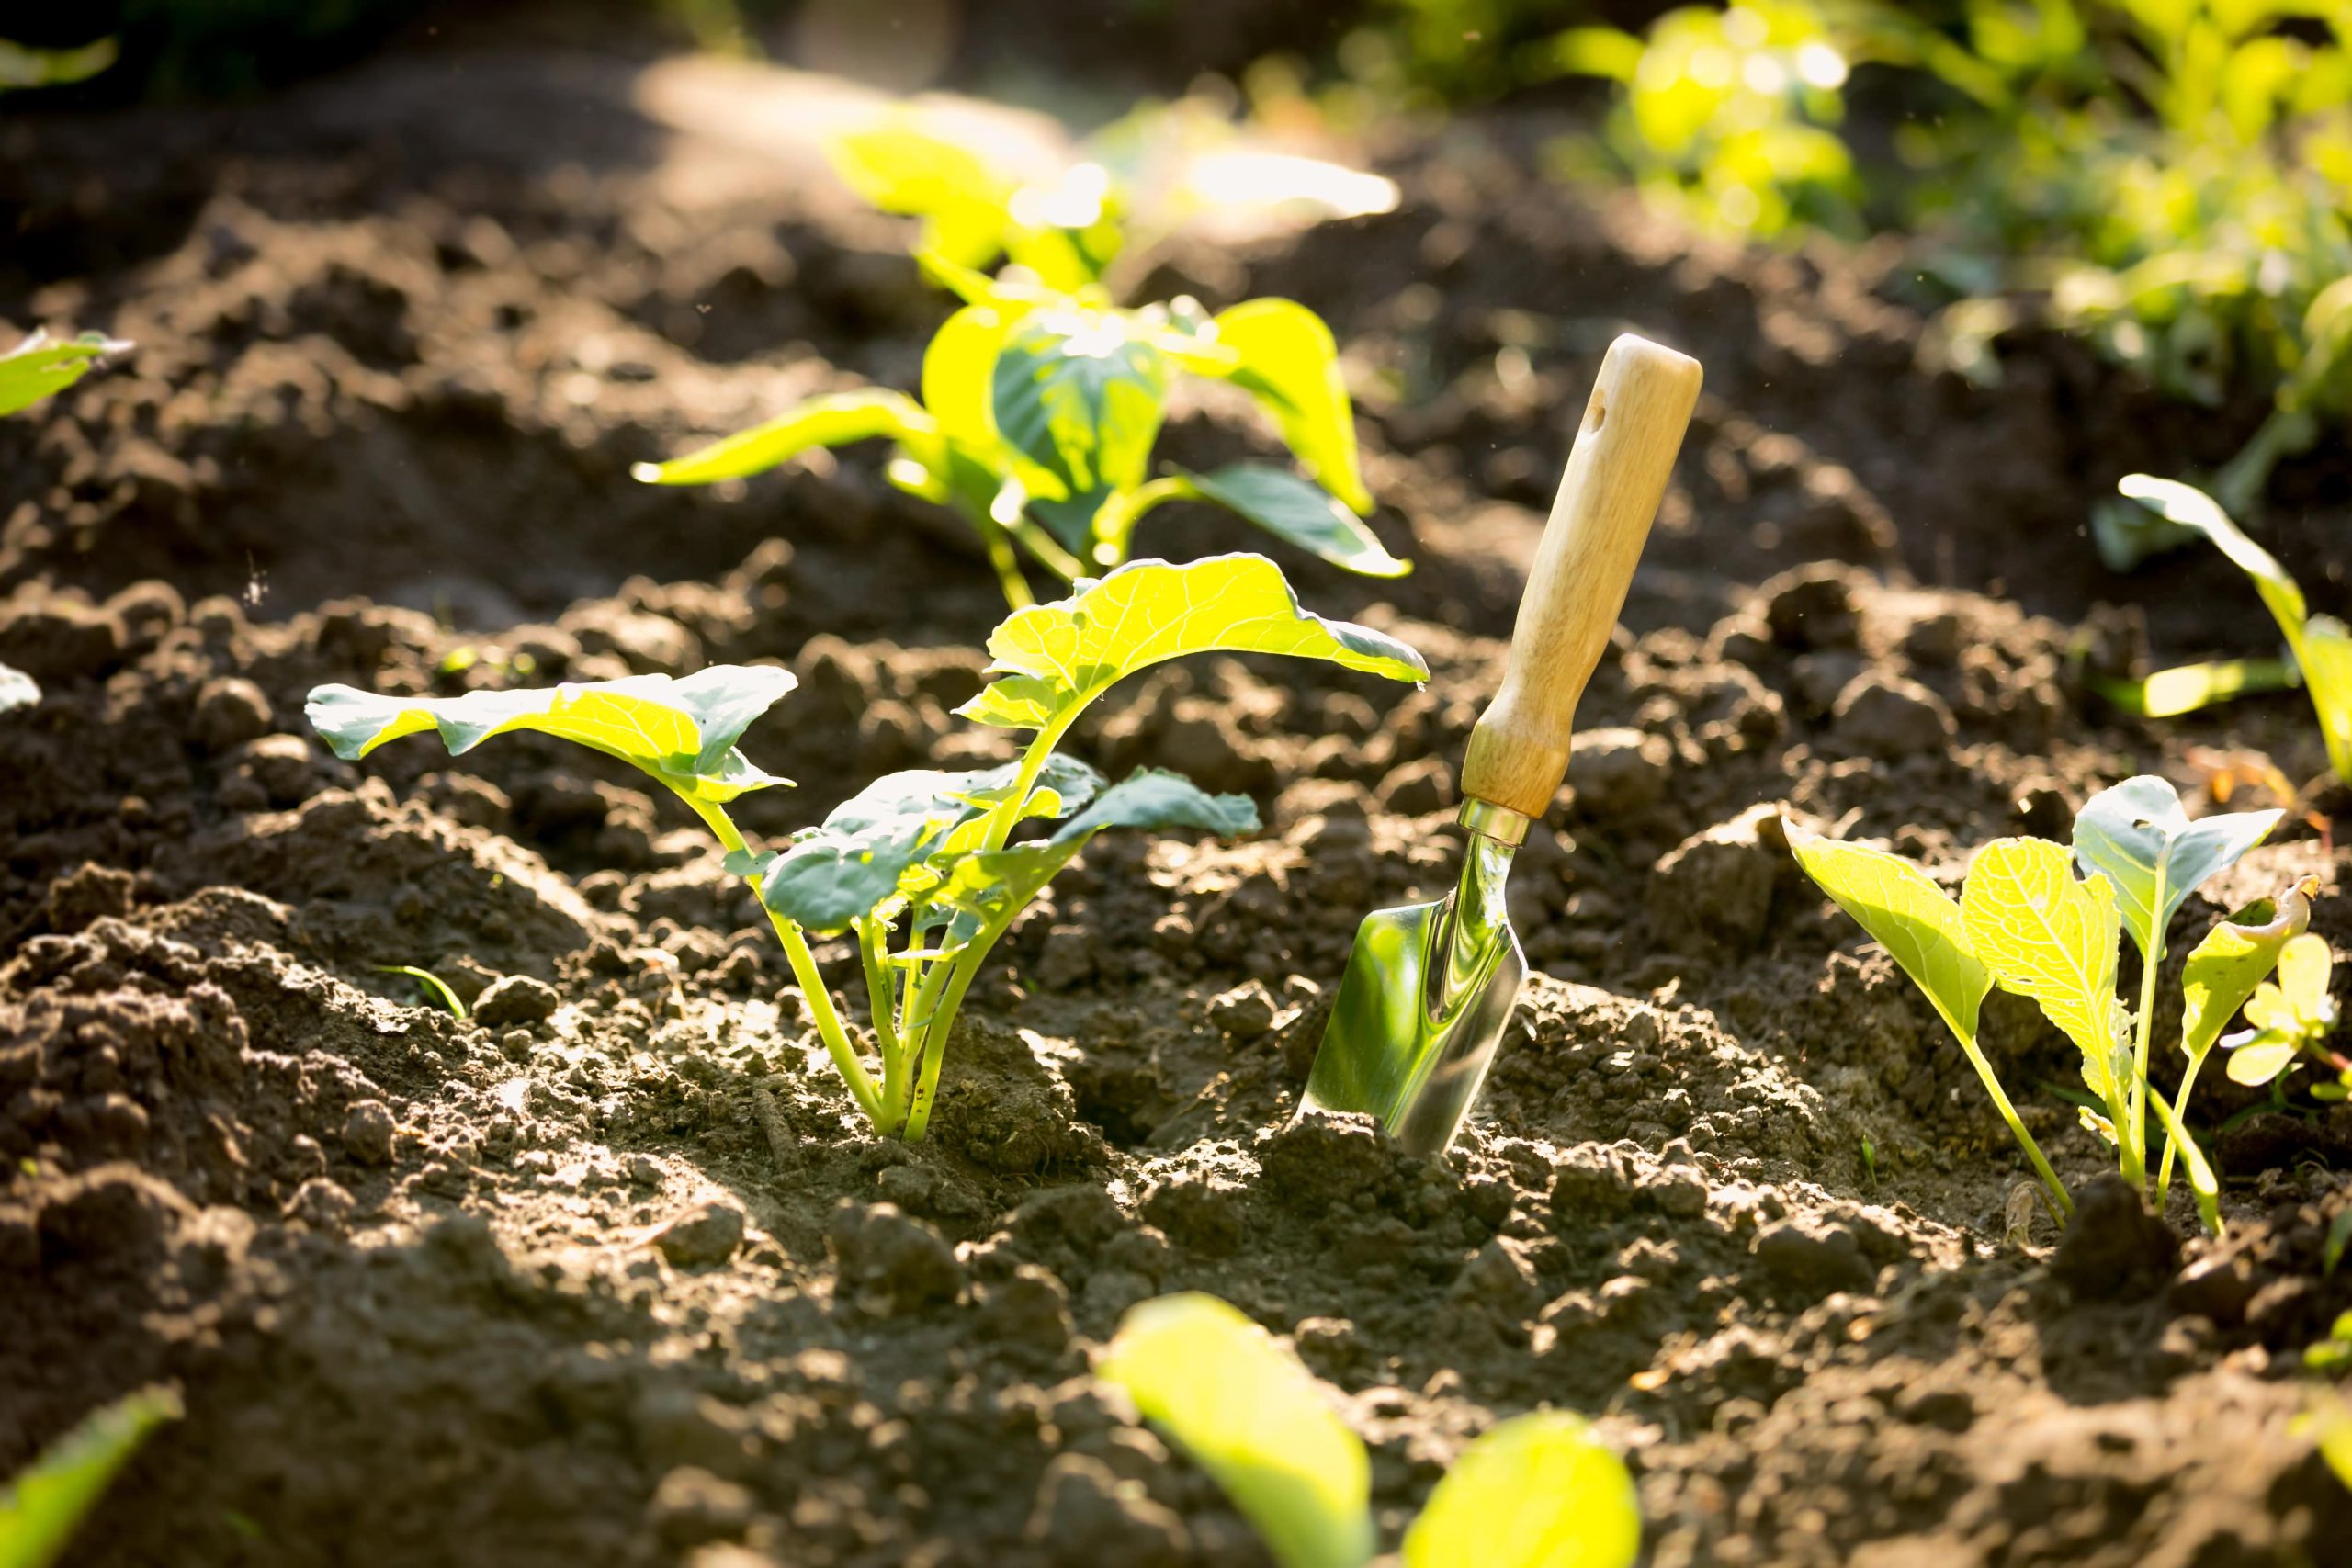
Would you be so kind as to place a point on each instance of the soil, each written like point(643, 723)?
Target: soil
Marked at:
point(613, 1273)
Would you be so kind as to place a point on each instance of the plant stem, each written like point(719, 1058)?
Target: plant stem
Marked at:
point(2179, 1114)
point(1048, 551)
point(960, 974)
point(804, 969)
point(872, 939)
point(2138, 1091)
point(2053, 1192)
point(1006, 564)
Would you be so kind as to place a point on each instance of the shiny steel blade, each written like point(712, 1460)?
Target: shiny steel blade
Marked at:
point(1422, 1007)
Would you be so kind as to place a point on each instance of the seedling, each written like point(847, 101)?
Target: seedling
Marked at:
point(2327, 1415)
point(926, 857)
point(1039, 416)
point(1537, 1491)
point(2027, 923)
point(2290, 1017)
point(2320, 645)
point(430, 983)
point(41, 1509)
point(41, 366)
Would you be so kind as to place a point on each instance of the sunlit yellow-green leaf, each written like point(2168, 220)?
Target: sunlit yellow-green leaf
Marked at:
point(43, 365)
point(835, 420)
point(1917, 922)
point(2046, 935)
point(1286, 357)
point(40, 1509)
point(1539, 1491)
point(1250, 1415)
point(2137, 835)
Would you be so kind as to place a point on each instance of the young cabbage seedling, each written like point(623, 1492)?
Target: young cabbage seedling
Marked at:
point(1537, 1491)
point(1039, 412)
point(927, 857)
point(2027, 923)
point(2320, 646)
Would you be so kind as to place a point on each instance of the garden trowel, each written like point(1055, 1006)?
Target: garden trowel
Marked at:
point(1430, 987)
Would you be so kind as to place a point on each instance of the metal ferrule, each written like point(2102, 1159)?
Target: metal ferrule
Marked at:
point(1499, 823)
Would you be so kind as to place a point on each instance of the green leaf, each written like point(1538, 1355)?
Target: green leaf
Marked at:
point(1250, 1415)
point(870, 847)
point(2258, 1056)
point(1539, 1491)
point(836, 420)
point(1078, 394)
point(1052, 659)
point(25, 67)
point(434, 986)
point(2322, 647)
point(1301, 511)
point(992, 885)
point(18, 689)
point(2045, 935)
point(683, 731)
point(961, 196)
point(2202, 1183)
point(41, 1508)
point(2137, 836)
point(2234, 959)
point(1917, 922)
point(958, 370)
point(41, 365)
point(2187, 688)
point(1287, 360)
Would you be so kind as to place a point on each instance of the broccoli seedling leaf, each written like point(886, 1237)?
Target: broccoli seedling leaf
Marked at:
point(1917, 922)
point(2288, 1014)
point(2137, 836)
point(682, 732)
point(18, 689)
point(961, 198)
point(1538, 1491)
point(40, 1509)
point(41, 365)
point(21, 66)
point(836, 420)
point(1077, 393)
point(1286, 358)
point(1300, 512)
point(869, 845)
point(2046, 935)
point(1247, 1413)
point(991, 884)
point(2237, 956)
point(1052, 659)
point(2322, 646)
point(2186, 688)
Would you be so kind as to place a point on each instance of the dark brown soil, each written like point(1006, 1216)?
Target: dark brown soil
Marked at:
point(616, 1277)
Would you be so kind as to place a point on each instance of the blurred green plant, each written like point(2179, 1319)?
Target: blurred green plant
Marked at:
point(42, 1506)
point(2319, 647)
point(2167, 178)
point(1537, 1491)
point(38, 367)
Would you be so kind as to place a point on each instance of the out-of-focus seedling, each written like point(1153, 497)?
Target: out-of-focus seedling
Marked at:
point(40, 366)
point(933, 851)
point(2327, 1415)
point(2320, 645)
point(2027, 923)
point(41, 1509)
point(1039, 416)
point(1537, 1491)
point(431, 984)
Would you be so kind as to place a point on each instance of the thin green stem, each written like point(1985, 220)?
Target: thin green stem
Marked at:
point(2179, 1114)
point(1002, 559)
point(804, 969)
point(1115, 526)
point(1047, 549)
point(2138, 1091)
point(872, 937)
point(966, 965)
point(2053, 1192)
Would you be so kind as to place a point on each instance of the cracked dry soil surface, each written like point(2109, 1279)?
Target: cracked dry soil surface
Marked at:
point(611, 1273)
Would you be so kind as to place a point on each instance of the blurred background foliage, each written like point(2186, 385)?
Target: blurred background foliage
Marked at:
point(2167, 178)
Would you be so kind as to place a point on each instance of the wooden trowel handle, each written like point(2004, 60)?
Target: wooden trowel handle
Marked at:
point(1617, 471)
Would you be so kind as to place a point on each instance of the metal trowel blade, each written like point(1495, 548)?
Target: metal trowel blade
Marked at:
point(1422, 1007)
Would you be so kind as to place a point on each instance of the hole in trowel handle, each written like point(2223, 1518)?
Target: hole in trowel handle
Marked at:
point(1596, 411)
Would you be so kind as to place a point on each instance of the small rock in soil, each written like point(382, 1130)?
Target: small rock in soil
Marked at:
point(1813, 1261)
point(1085, 1515)
point(1066, 959)
point(1810, 607)
point(515, 1000)
point(1029, 1310)
point(890, 1263)
point(229, 712)
point(368, 1132)
point(1890, 717)
point(1716, 886)
point(1197, 1211)
point(707, 1234)
point(2217, 1288)
point(2113, 1247)
point(1616, 773)
point(1324, 1158)
point(692, 1507)
point(1244, 1012)
point(1417, 788)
